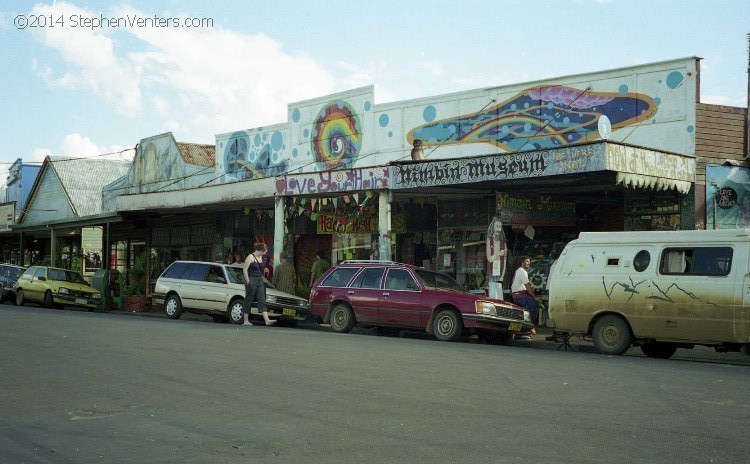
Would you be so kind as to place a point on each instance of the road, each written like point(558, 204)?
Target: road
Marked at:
point(79, 387)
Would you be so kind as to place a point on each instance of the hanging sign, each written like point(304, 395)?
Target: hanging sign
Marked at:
point(335, 224)
point(535, 210)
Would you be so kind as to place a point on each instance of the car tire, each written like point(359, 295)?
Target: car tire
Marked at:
point(173, 307)
point(612, 335)
point(49, 302)
point(342, 318)
point(447, 325)
point(20, 299)
point(234, 311)
point(659, 350)
point(2, 293)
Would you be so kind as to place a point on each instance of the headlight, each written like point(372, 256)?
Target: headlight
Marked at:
point(63, 290)
point(96, 296)
point(485, 307)
point(303, 304)
point(526, 316)
point(270, 298)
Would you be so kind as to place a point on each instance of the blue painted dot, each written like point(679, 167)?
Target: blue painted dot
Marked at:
point(566, 120)
point(390, 133)
point(690, 128)
point(452, 128)
point(305, 133)
point(429, 113)
point(256, 140)
point(550, 106)
point(623, 89)
point(526, 105)
point(657, 101)
point(295, 115)
point(295, 152)
point(513, 106)
point(277, 140)
point(383, 120)
point(308, 152)
point(527, 127)
point(674, 79)
point(368, 105)
point(275, 158)
point(221, 145)
point(340, 104)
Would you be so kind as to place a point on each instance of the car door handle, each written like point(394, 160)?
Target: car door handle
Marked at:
point(386, 294)
point(350, 292)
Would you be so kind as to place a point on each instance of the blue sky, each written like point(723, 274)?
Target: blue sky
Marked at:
point(72, 90)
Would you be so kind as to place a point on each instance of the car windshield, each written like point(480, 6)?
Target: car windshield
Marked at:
point(66, 276)
point(236, 277)
point(12, 272)
point(437, 280)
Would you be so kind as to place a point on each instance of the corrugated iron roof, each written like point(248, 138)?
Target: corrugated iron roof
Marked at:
point(202, 155)
point(83, 179)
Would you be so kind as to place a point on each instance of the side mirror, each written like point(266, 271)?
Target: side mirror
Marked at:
point(42, 278)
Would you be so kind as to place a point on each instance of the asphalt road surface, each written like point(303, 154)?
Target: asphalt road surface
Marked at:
point(78, 387)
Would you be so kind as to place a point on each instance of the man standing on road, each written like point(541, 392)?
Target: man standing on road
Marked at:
point(523, 292)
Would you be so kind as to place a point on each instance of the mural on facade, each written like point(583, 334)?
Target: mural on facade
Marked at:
point(539, 118)
point(336, 136)
point(727, 197)
point(333, 181)
point(250, 156)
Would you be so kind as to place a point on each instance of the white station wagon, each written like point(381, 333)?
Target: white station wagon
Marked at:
point(218, 290)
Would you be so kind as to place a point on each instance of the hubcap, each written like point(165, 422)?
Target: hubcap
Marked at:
point(610, 335)
point(171, 307)
point(339, 318)
point(236, 312)
point(445, 325)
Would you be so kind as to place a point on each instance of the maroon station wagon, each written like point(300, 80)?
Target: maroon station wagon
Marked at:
point(388, 294)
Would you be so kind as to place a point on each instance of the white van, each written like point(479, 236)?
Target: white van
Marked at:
point(658, 290)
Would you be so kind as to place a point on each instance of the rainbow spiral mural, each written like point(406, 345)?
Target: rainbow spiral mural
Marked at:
point(539, 118)
point(336, 136)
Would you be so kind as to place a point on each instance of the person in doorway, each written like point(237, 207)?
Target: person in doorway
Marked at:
point(267, 269)
point(255, 289)
point(319, 267)
point(523, 293)
point(284, 277)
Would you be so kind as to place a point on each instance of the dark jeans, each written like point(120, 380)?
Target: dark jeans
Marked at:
point(255, 291)
point(524, 298)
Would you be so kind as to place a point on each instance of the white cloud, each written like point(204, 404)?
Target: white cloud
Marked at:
point(91, 55)
point(433, 67)
point(38, 155)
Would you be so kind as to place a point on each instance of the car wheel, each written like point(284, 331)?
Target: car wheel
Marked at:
point(48, 301)
point(234, 311)
point(659, 350)
point(447, 325)
point(342, 318)
point(20, 300)
point(2, 293)
point(173, 307)
point(612, 335)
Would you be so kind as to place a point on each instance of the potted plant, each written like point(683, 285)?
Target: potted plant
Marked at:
point(135, 291)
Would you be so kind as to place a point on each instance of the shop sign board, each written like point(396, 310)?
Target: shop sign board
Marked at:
point(642, 161)
point(568, 160)
point(350, 180)
point(7, 215)
point(336, 224)
point(535, 210)
point(91, 246)
point(727, 197)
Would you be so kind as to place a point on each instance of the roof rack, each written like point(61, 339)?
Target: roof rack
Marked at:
point(368, 261)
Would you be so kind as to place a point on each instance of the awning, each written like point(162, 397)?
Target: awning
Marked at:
point(655, 183)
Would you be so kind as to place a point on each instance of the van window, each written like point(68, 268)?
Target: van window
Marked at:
point(641, 261)
point(707, 261)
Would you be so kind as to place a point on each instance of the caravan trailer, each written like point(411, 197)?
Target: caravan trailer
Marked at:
point(658, 290)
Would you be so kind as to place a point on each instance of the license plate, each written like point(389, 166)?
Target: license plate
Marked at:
point(289, 312)
point(81, 301)
point(514, 327)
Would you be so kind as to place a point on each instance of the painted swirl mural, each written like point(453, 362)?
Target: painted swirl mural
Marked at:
point(540, 117)
point(336, 136)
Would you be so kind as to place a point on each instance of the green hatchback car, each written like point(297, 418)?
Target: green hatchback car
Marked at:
point(54, 287)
